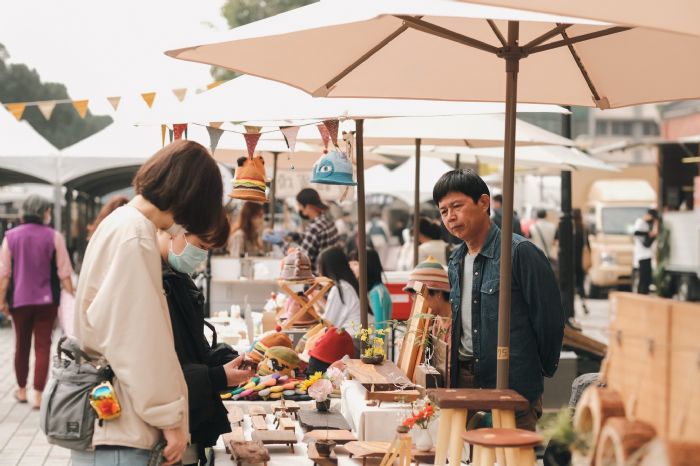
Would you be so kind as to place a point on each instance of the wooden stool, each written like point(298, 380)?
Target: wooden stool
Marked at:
point(319, 286)
point(454, 405)
point(517, 443)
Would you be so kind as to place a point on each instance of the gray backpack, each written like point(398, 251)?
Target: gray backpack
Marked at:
point(66, 417)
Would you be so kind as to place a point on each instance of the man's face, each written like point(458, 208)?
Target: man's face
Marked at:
point(463, 217)
point(301, 208)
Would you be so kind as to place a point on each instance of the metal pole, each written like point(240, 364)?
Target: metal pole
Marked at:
point(273, 190)
point(361, 220)
point(416, 206)
point(457, 161)
point(504, 299)
point(566, 234)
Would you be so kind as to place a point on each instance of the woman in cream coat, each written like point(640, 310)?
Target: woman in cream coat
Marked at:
point(121, 315)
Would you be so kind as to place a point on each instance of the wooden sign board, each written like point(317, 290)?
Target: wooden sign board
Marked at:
point(377, 377)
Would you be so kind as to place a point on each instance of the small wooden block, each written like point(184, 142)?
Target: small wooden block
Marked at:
point(249, 452)
point(394, 395)
point(258, 423)
point(285, 423)
point(340, 437)
point(314, 420)
point(235, 415)
point(321, 460)
point(291, 406)
point(256, 411)
point(478, 399)
point(276, 437)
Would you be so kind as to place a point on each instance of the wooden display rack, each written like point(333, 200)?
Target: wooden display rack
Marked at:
point(318, 288)
point(377, 377)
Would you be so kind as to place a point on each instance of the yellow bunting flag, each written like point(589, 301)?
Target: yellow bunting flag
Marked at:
point(216, 124)
point(81, 106)
point(252, 129)
point(163, 130)
point(17, 110)
point(211, 86)
point(180, 93)
point(46, 108)
point(149, 97)
point(114, 102)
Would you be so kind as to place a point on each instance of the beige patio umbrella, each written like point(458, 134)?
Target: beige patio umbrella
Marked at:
point(450, 50)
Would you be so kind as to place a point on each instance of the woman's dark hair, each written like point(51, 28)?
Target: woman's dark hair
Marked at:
point(463, 180)
point(334, 264)
point(217, 237)
point(249, 211)
point(309, 196)
point(429, 228)
point(374, 271)
point(577, 217)
point(184, 179)
point(113, 204)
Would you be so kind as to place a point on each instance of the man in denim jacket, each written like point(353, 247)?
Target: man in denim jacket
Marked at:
point(537, 317)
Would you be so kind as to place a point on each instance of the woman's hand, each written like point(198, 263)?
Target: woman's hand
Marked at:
point(234, 374)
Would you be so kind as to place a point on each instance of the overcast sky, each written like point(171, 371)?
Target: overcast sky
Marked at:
point(103, 48)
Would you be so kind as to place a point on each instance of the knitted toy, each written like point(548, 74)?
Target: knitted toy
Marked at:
point(268, 387)
point(266, 341)
point(279, 359)
point(249, 182)
point(334, 167)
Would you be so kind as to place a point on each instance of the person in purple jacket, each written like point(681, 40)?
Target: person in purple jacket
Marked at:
point(34, 265)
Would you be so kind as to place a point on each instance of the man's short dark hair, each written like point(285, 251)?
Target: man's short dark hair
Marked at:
point(464, 181)
point(183, 178)
point(541, 213)
point(498, 198)
point(654, 213)
point(309, 196)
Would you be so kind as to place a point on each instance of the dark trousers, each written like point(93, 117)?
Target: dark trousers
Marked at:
point(644, 276)
point(38, 320)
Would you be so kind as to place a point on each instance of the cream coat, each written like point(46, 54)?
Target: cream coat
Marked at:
point(121, 315)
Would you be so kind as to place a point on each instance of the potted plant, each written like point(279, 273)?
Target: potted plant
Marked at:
point(422, 413)
point(320, 389)
point(372, 344)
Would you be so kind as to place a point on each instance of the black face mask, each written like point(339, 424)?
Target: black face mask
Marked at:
point(303, 216)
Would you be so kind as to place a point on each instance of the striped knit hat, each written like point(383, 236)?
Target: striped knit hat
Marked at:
point(249, 183)
point(431, 273)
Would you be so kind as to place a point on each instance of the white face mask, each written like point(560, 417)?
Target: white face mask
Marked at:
point(175, 229)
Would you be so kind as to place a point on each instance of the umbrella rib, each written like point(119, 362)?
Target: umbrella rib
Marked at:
point(582, 68)
point(366, 56)
point(581, 38)
point(546, 36)
point(498, 33)
point(445, 33)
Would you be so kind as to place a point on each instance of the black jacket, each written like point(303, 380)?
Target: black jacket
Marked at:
point(208, 416)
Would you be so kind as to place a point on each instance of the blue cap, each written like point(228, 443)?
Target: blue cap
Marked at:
point(333, 168)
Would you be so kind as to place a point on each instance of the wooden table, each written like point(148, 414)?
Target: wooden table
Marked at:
point(377, 377)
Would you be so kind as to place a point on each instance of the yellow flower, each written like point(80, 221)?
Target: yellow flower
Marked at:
point(363, 337)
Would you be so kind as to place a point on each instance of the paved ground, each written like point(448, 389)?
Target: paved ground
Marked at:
point(23, 444)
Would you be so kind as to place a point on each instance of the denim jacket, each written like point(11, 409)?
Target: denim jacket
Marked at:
point(537, 316)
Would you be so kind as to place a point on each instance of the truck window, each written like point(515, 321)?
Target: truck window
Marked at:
point(620, 220)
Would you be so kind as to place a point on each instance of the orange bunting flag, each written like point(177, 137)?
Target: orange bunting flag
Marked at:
point(251, 141)
point(290, 135)
point(325, 135)
point(114, 102)
point(163, 130)
point(149, 97)
point(180, 93)
point(252, 129)
point(81, 106)
point(332, 127)
point(216, 124)
point(17, 110)
point(178, 129)
point(211, 86)
point(46, 108)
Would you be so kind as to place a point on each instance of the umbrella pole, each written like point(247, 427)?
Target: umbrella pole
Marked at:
point(504, 298)
point(361, 220)
point(457, 161)
point(416, 206)
point(273, 190)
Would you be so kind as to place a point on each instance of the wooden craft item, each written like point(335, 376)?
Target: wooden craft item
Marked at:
point(275, 437)
point(311, 297)
point(377, 377)
point(249, 452)
point(235, 415)
point(594, 408)
point(660, 452)
point(256, 411)
point(321, 460)
point(258, 422)
point(236, 435)
point(517, 445)
point(406, 396)
point(577, 340)
point(365, 449)
point(413, 345)
point(314, 420)
point(478, 398)
point(620, 439)
point(340, 437)
point(291, 407)
point(285, 423)
point(400, 449)
point(429, 377)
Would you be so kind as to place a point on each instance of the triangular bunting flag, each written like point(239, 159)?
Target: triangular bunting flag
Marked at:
point(46, 108)
point(211, 86)
point(325, 135)
point(216, 124)
point(252, 129)
point(214, 136)
point(163, 129)
point(81, 107)
point(180, 93)
point(170, 134)
point(17, 110)
point(332, 127)
point(290, 135)
point(149, 97)
point(114, 102)
point(251, 141)
point(178, 129)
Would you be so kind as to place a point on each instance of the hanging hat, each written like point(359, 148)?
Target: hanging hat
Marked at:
point(431, 273)
point(268, 341)
point(296, 267)
point(249, 183)
point(333, 168)
point(333, 345)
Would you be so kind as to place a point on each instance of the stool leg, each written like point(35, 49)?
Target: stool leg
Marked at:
point(459, 421)
point(476, 456)
point(488, 456)
point(443, 438)
point(512, 457)
point(496, 421)
point(527, 457)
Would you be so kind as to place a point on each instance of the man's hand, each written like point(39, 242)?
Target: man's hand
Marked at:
point(176, 443)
